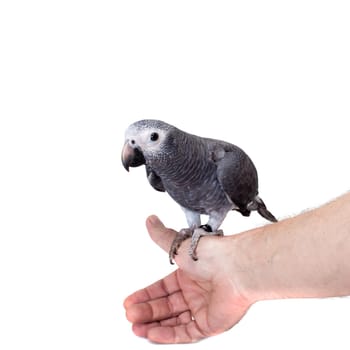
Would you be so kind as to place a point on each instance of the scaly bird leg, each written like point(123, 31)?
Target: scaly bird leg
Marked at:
point(181, 236)
point(204, 230)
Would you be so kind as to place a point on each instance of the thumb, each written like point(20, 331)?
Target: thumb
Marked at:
point(159, 233)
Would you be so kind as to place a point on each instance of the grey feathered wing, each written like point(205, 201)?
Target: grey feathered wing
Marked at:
point(238, 177)
point(154, 179)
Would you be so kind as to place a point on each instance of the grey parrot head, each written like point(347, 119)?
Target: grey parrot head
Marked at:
point(146, 141)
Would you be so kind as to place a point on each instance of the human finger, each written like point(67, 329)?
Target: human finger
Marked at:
point(157, 309)
point(188, 333)
point(161, 288)
point(141, 329)
point(159, 233)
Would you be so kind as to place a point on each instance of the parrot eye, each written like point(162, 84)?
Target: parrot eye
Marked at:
point(154, 136)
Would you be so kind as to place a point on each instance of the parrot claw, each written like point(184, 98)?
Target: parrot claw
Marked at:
point(197, 234)
point(181, 236)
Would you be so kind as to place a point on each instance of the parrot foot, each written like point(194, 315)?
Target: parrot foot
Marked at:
point(197, 234)
point(181, 236)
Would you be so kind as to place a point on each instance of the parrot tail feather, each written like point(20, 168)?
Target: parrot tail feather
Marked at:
point(259, 205)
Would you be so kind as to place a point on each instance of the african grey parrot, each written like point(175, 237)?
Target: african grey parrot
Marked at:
point(203, 175)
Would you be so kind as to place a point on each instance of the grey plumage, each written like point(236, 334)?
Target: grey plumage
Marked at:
point(204, 176)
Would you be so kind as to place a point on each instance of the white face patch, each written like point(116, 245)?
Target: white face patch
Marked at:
point(148, 139)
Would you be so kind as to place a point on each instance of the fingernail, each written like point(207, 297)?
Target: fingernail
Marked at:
point(153, 219)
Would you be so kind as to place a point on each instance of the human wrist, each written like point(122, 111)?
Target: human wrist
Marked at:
point(252, 262)
point(305, 256)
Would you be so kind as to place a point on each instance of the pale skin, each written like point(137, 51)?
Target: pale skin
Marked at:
point(306, 256)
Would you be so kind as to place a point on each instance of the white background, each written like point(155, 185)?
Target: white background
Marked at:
point(270, 76)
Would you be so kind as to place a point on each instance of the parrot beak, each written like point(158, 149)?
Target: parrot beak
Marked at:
point(132, 157)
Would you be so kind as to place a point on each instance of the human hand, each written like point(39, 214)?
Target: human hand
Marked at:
point(199, 299)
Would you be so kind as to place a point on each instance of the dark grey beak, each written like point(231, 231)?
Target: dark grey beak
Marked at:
point(132, 157)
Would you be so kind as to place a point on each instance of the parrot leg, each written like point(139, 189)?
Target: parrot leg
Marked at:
point(204, 230)
point(181, 236)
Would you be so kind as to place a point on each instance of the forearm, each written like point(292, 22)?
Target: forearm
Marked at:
point(304, 256)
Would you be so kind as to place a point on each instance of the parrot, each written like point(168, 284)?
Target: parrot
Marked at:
point(204, 176)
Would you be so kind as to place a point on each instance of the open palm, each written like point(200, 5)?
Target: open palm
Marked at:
point(195, 301)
